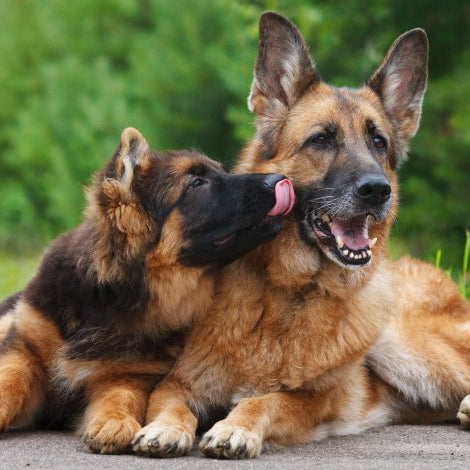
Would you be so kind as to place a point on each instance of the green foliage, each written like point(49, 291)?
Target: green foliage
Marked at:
point(463, 282)
point(76, 73)
point(15, 272)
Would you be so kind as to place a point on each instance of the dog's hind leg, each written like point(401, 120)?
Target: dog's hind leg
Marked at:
point(27, 349)
point(424, 353)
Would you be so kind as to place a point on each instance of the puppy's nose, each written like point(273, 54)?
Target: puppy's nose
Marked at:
point(373, 189)
point(270, 180)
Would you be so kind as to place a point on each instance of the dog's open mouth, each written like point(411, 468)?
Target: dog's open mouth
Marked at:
point(347, 240)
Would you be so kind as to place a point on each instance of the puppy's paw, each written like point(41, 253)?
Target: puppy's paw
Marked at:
point(225, 441)
point(464, 411)
point(110, 435)
point(156, 440)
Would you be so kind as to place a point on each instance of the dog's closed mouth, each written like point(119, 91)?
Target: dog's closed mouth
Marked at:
point(283, 204)
point(347, 239)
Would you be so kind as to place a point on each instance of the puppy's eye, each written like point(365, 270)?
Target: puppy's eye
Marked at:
point(196, 182)
point(379, 142)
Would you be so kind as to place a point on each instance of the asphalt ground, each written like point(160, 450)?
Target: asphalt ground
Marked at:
point(390, 447)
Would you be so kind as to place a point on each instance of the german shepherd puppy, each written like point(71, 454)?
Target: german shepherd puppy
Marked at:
point(106, 314)
point(297, 336)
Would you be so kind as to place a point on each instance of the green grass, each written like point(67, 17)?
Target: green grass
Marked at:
point(464, 274)
point(16, 271)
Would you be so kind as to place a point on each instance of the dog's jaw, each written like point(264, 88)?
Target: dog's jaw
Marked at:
point(317, 230)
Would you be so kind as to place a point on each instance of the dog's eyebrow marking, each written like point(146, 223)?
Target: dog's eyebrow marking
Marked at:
point(197, 169)
point(331, 128)
point(372, 126)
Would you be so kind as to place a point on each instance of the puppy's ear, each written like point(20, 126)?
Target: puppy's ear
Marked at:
point(116, 196)
point(401, 81)
point(131, 152)
point(283, 72)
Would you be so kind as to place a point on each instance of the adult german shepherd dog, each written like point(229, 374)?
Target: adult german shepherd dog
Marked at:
point(297, 337)
point(106, 314)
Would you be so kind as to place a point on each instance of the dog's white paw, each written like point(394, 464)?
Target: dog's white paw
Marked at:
point(156, 440)
point(464, 411)
point(225, 441)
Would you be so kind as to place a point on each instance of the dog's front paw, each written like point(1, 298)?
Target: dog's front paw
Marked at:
point(156, 440)
point(225, 441)
point(110, 435)
point(464, 411)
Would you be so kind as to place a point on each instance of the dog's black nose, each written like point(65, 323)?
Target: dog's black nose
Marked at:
point(270, 180)
point(374, 189)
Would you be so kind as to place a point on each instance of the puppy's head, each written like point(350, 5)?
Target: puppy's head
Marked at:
point(179, 208)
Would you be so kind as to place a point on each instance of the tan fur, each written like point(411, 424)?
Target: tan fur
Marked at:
point(292, 335)
point(116, 411)
point(35, 359)
point(25, 367)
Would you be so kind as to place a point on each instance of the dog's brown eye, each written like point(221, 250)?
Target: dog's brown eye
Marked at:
point(197, 182)
point(322, 140)
point(379, 142)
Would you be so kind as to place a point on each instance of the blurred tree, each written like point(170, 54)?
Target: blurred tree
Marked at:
point(75, 73)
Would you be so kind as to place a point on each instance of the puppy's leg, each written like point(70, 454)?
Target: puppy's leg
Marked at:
point(284, 418)
point(114, 414)
point(28, 347)
point(171, 424)
point(21, 388)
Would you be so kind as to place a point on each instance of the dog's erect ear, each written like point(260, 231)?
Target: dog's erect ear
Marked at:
point(131, 152)
point(401, 81)
point(283, 69)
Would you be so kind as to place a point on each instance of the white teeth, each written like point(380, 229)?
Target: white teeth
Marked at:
point(369, 253)
point(358, 256)
point(339, 242)
point(351, 255)
point(345, 252)
point(372, 242)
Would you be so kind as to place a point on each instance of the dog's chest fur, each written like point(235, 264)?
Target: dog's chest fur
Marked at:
point(269, 340)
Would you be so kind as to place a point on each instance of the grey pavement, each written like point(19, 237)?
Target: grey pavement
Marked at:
point(390, 447)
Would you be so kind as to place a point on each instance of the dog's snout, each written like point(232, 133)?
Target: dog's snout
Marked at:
point(374, 189)
point(271, 180)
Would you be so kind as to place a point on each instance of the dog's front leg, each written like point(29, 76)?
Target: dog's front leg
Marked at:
point(115, 412)
point(283, 418)
point(171, 425)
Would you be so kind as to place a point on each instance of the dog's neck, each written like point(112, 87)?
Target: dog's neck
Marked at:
point(178, 296)
point(293, 264)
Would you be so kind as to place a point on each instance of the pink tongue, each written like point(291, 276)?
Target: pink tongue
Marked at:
point(285, 198)
point(354, 232)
